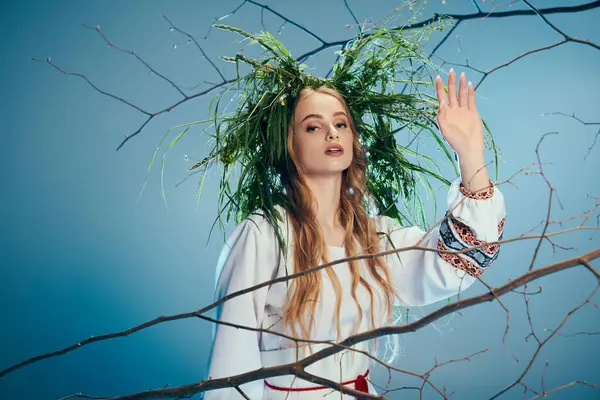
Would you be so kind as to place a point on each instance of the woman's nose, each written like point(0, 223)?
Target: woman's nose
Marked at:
point(332, 133)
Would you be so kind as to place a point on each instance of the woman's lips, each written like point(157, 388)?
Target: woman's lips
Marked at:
point(334, 147)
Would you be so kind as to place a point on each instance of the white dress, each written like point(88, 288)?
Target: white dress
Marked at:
point(250, 257)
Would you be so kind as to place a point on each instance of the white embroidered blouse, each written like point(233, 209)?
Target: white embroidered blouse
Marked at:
point(251, 256)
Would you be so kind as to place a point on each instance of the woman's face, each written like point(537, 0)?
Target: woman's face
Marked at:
point(320, 123)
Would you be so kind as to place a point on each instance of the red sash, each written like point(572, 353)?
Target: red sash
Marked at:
point(360, 384)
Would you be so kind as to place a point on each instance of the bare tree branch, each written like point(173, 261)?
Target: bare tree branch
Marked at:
point(297, 368)
point(193, 314)
point(541, 343)
point(341, 43)
point(198, 46)
point(582, 122)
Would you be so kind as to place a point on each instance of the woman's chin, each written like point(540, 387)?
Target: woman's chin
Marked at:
point(338, 165)
point(332, 172)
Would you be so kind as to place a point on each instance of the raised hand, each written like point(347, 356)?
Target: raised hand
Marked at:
point(461, 126)
point(458, 118)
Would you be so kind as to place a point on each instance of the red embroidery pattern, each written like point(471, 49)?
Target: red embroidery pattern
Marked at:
point(481, 195)
point(467, 236)
point(458, 262)
point(501, 226)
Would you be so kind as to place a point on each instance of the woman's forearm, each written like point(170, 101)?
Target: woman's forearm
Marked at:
point(473, 172)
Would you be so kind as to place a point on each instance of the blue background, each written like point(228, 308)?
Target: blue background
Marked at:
point(80, 256)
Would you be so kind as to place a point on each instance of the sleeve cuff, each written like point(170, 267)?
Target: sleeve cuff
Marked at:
point(483, 194)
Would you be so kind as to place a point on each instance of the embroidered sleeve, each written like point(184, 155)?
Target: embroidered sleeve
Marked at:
point(456, 236)
point(424, 276)
point(484, 194)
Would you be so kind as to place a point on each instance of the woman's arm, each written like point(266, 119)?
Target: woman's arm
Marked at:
point(424, 277)
point(476, 214)
point(247, 259)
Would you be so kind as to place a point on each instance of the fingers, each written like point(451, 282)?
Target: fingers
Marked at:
point(462, 91)
point(452, 88)
point(441, 94)
point(471, 97)
point(466, 93)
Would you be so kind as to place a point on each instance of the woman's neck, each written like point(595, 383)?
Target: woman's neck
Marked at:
point(326, 194)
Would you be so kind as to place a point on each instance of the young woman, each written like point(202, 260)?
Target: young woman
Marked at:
point(326, 220)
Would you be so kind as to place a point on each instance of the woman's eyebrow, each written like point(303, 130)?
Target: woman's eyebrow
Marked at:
point(319, 116)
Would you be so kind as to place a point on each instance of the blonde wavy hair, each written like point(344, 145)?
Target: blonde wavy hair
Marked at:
point(310, 247)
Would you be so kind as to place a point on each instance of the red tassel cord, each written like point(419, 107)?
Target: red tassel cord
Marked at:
point(360, 384)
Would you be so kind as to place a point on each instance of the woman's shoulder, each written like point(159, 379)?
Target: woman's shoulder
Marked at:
point(383, 223)
point(260, 225)
point(389, 227)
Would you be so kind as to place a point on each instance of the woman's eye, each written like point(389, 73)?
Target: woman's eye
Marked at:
point(340, 125)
